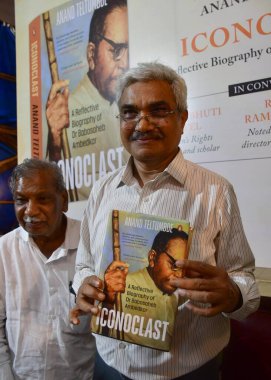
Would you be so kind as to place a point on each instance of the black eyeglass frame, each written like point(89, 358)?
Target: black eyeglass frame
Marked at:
point(138, 118)
point(173, 261)
point(117, 47)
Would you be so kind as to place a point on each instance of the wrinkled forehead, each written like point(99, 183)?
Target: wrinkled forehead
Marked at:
point(148, 92)
point(116, 25)
point(176, 248)
point(37, 178)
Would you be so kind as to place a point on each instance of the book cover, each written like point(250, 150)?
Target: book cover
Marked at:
point(138, 261)
point(72, 94)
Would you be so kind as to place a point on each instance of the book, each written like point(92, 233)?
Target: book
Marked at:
point(138, 261)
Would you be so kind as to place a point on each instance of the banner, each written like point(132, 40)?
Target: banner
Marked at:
point(77, 51)
point(224, 51)
point(224, 56)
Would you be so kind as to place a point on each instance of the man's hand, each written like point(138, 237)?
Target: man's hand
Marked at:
point(89, 292)
point(115, 280)
point(57, 115)
point(208, 285)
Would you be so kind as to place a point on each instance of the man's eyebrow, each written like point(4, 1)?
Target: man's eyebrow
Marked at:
point(158, 103)
point(170, 257)
point(37, 194)
point(128, 106)
point(149, 105)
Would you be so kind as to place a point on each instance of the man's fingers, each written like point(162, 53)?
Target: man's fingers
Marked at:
point(121, 265)
point(88, 306)
point(89, 292)
point(93, 281)
point(59, 86)
point(209, 297)
point(66, 92)
point(205, 311)
point(198, 268)
point(201, 284)
point(74, 315)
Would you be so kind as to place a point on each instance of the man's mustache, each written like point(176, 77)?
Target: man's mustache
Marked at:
point(153, 135)
point(30, 219)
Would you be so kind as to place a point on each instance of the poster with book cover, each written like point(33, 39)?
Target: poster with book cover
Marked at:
point(77, 52)
point(138, 261)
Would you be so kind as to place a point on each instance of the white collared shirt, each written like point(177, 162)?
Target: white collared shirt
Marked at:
point(36, 339)
point(185, 191)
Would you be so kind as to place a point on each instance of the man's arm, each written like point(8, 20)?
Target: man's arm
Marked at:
point(5, 360)
point(229, 287)
point(84, 265)
point(87, 286)
point(57, 115)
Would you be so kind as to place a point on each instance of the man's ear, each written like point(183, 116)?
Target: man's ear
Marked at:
point(184, 116)
point(151, 256)
point(183, 119)
point(90, 55)
point(65, 201)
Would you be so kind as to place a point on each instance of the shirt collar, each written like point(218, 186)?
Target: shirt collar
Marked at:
point(70, 242)
point(176, 169)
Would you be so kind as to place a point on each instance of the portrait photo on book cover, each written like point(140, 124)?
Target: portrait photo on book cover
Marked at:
point(77, 52)
point(138, 262)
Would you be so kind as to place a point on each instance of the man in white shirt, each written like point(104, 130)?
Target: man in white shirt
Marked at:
point(219, 282)
point(37, 264)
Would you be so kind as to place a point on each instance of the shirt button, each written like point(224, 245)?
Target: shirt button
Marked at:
point(122, 345)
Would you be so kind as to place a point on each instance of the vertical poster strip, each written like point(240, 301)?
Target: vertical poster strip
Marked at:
point(35, 89)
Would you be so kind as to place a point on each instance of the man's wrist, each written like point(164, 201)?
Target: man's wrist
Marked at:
point(235, 296)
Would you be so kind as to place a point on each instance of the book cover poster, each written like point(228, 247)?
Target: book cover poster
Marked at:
point(138, 262)
point(77, 52)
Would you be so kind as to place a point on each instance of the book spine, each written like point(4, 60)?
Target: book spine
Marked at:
point(35, 89)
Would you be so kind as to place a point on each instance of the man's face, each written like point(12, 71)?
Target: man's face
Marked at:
point(162, 266)
point(39, 206)
point(108, 67)
point(151, 143)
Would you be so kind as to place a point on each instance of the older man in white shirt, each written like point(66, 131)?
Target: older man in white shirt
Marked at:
point(37, 263)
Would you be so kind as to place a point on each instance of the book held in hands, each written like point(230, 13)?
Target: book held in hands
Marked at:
point(138, 262)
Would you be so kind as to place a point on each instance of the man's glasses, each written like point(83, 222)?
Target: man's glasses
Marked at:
point(118, 49)
point(174, 268)
point(131, 117)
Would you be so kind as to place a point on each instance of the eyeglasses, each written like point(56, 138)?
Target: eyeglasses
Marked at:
point(132, 117)
point(118, 49)
point(174, 268)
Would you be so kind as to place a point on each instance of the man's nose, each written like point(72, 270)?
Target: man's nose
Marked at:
point(31, 208)
point(124, 60)
point(144, 124)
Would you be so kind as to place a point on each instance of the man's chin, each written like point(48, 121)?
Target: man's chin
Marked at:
point(169, 290)
point(34, 230)
point(109, 92)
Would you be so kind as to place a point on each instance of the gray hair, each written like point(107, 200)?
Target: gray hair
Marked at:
point(30, 166)
point(146, 72)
